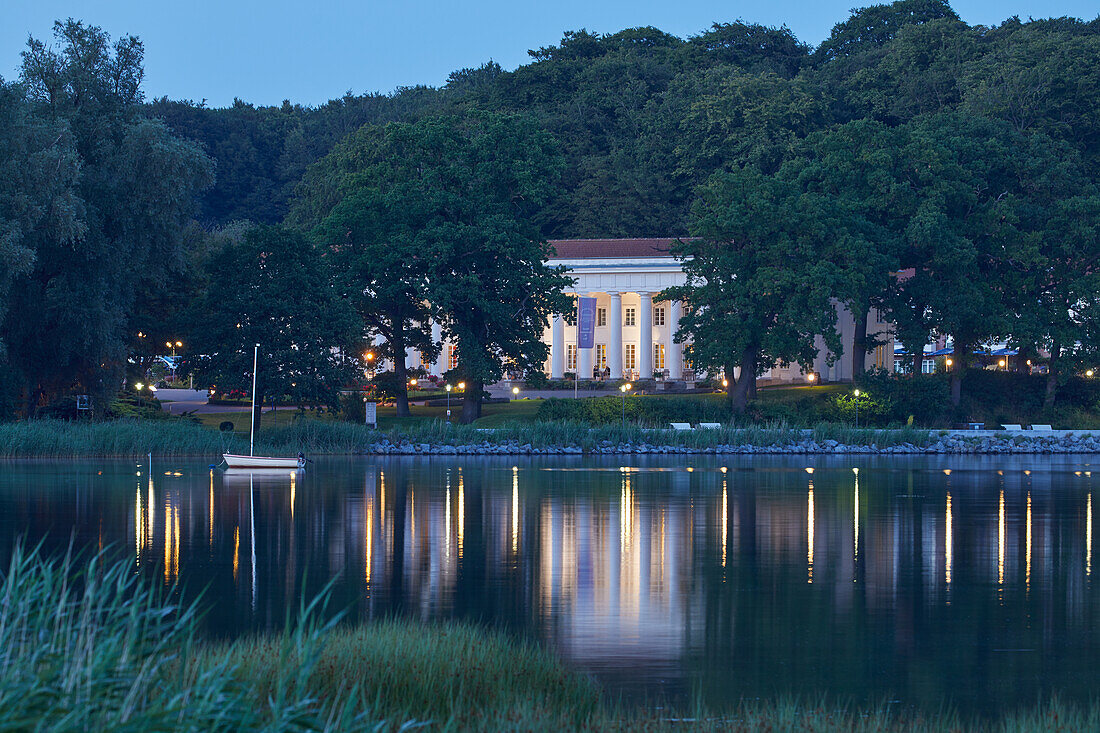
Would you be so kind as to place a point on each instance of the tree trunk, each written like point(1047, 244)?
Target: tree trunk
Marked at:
point(739, 400)
point(1020, 366)
point(397, 347)
point(958, 369)
point(859, 345)
point(729, 370)
point(1052, 376)
point(471, 401)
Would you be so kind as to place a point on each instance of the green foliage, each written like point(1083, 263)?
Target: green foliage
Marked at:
point(93, 646)
point(867, 409)
point(108, 237)
point(453, 198)
point(255, 296)
point(761, 276)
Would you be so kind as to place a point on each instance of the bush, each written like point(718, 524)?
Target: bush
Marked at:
point(927, 397)
point(536, 380)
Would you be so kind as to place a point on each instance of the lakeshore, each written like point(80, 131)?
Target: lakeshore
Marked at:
point(177, 437)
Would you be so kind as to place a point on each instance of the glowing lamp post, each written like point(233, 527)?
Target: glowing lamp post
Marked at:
point(857, 408)
point(448, 388)
point(515, 392)
point(624, 389)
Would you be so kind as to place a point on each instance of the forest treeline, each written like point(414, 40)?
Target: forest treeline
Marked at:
point(908, 139)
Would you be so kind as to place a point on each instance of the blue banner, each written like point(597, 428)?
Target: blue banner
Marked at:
point(586, 323)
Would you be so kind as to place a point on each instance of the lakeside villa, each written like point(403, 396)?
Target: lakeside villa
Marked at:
point(634, 332)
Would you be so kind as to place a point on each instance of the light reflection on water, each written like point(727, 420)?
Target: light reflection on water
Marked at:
point(917, 579)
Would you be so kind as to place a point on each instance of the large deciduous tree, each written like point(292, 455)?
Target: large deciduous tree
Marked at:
point(273, 289)
point(760, 277)
point(377, 263)
point(136, 191)
point(462, 194)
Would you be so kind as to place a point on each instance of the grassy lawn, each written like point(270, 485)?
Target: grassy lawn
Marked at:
point(493, 415)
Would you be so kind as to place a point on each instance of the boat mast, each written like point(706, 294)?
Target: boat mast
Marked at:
point(252, 422)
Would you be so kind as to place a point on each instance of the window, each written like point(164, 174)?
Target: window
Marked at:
point(630, 360)
point(928, 366)
point(601, 316)
point(880, 356)
point(452, 356)
point(658, 356)
point(659, 316)
point(899, 366)
point(571, 357)
point(425, 363)
point(628, 319)
point(601, 356)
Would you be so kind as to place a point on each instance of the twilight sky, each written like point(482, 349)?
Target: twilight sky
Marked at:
point(310, 52)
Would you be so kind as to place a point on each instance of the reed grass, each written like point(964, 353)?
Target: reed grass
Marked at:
point(92, 646)
point(451, 676)
point(129, 437)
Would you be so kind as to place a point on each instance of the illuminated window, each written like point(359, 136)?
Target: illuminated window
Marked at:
point(659, 316)
point(452, 356)
point(571, 357)
point(658, 356)
point(628, 318)
point(880, 356)
point(601, 356)
point(425, 362)
point(601, 316)
point(630, 358)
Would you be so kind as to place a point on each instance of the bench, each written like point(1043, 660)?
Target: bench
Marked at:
point(710, 425)
point(680, 425)
point(1013, 427)
point(1042, 428)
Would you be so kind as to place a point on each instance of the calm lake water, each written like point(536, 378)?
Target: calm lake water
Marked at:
point(917, 580)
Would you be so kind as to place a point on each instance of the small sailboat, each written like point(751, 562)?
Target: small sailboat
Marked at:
point(252, 460)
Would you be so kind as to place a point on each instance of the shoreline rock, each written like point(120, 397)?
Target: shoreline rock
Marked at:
point(945, 445)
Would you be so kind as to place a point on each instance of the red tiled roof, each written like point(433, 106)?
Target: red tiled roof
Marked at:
point(585, 249)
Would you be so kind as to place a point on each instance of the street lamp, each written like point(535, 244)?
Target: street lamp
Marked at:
point(515, 392)
point(1001, 363)
point(949, 362)
point(725, 383)
point(857, 408)
point(461, 386)
point(1089, 373)
point(811, 377)
point(448, 388)
point(624, 389)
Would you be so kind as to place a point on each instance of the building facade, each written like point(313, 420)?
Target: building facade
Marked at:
point(634, 330)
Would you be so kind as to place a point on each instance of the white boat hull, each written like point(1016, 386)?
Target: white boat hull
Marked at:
point(234, 461)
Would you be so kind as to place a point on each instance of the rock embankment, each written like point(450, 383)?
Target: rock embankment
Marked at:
point(937, 444)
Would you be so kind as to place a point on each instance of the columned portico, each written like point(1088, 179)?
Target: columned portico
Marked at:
point(437, 338)
point(675, 350)
point(557, 348)
point(615, 335)
point(645, 335)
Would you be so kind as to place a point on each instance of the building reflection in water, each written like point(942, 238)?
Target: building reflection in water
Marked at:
point(645, 572)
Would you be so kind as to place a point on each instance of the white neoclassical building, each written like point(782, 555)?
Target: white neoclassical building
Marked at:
point(634, 331)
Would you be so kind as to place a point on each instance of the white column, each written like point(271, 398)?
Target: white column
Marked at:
point(675, 353)
point(615, 336)
point(645, 336)
point(440, 365)
point(557, 348)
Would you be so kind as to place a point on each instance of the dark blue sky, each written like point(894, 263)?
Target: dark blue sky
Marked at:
point(310, 52)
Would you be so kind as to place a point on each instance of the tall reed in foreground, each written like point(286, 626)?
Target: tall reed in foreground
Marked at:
point(91, 646)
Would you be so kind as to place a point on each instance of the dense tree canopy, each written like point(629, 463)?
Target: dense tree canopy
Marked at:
point(964, 157)
point(447, 206)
